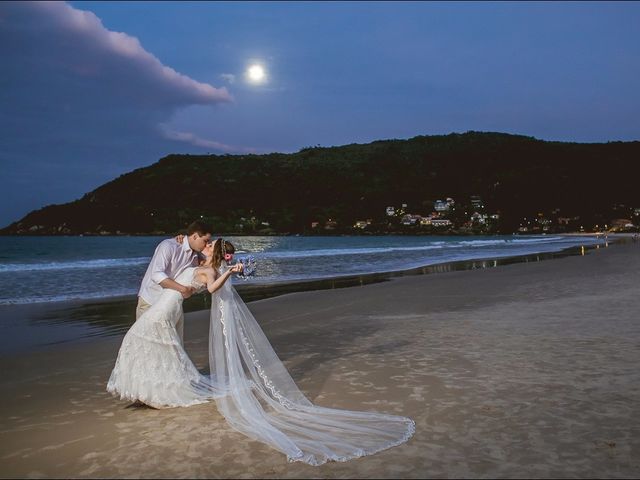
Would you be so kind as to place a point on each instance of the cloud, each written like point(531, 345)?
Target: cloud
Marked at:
point(81, 104)
point(75, 44)
point(194, 140)
point(228, 77)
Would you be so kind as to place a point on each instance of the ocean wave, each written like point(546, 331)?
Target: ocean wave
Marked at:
point(511, 241)
point(292, 254)
point(341, 251)
point(392, 266)
point(66, 297)
point(74, 265)
point(482, 243)
point(67, 280)
point(418, 248)
point(539, 239)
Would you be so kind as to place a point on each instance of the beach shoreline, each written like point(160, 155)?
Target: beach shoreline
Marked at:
point(47, 324)
point(524, 371)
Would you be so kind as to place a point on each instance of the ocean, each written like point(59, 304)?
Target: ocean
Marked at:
point(54, 269)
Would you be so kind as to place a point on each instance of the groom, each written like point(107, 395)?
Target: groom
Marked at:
point(168, 261)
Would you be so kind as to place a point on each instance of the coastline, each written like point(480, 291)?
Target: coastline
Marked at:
point(47, 324)
point(524, 371)
point(328, 233)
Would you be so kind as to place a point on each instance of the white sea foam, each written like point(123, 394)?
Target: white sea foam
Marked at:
point(420, 248)
point(342, 251)
point(74, 265)
point(541, 239)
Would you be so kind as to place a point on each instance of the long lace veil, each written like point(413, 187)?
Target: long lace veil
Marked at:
point(264, 403)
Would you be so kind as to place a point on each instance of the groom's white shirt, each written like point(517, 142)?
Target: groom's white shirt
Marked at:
point(168, 261)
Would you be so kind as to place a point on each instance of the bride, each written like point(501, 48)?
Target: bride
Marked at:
point(252, 388)
point(152, 366)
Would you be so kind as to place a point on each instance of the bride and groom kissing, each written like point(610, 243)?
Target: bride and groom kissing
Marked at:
point(251, 387)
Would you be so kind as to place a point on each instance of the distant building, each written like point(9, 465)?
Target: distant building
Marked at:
point(441, 222)
point(621, 223)
point(442, 205)
point(476, 202)
point(391, 211)
point(479, 218)
point(410, 219)
point(315, 224)
point(362, 223)
point(330, 225)
point(426, 220)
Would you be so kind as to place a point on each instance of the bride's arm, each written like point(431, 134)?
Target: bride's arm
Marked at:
point(214, 283)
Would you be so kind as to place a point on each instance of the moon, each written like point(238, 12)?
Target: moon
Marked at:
point(256, 73)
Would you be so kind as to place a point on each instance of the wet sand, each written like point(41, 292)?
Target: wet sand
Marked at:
point(526, 370)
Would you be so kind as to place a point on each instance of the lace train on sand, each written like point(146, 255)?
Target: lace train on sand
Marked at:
point(252, 388)
point(264, 403)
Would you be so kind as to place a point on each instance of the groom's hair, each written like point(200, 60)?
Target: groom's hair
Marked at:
point(198, 227)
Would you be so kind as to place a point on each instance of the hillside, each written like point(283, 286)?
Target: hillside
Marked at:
point(516, 176)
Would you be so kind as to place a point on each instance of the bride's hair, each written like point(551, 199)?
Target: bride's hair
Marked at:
point(218, 252)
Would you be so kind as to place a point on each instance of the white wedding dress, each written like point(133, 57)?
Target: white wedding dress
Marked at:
point(252, 388)
point(152, 365)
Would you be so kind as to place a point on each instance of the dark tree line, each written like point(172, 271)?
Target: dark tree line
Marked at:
point(516, 176)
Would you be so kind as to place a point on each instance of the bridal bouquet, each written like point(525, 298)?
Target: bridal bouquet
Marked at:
point(249, 267)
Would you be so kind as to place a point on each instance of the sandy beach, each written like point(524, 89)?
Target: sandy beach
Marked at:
point(527, 370)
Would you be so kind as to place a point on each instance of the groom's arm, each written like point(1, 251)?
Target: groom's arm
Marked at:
point(160, 266)
point(173, 285)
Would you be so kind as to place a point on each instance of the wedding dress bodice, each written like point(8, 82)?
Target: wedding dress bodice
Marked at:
point(188, 279)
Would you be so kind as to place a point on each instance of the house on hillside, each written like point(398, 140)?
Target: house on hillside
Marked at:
point(362, 224)
point(476, 202)
point(621, 224)
point(330, 225)
point(410, 219)
point(441, 222)
point(480, 218)
point(443, 205)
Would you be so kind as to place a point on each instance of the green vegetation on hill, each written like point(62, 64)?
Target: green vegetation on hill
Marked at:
point(516, 176)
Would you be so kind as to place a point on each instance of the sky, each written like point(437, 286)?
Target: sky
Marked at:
point(92, 90)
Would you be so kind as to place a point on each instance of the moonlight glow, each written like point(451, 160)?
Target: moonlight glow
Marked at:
point(256, 74)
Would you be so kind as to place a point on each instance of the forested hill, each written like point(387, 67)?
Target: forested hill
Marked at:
point(515, 176)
